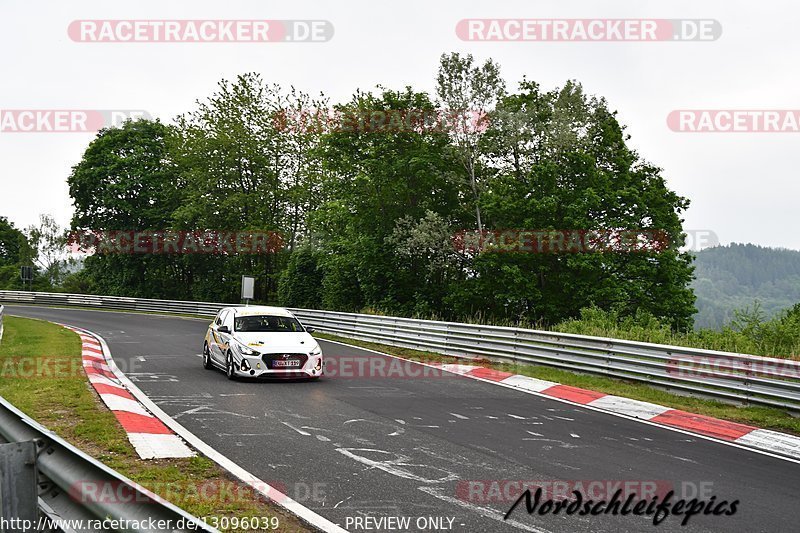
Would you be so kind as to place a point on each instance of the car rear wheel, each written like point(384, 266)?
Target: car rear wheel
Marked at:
point(229, 366)
point(207, 364)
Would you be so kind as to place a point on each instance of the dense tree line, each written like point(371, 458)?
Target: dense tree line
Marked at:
point(41, 246)
point(734, 277)
point(368, 210)
point(14, 252)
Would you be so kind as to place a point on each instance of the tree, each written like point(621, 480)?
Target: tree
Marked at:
point(14, 246)
point(298, 145)
point(300, 284)
point(50, 241)
point(247, 168)
point(468, 93)
point(732, 277)
point(424, 250)
point(15, 251)
point(128, 180)
point(566, 166)
point(373, 176)
point(369, 200)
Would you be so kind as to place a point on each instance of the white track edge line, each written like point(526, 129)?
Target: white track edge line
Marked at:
point(294, 507)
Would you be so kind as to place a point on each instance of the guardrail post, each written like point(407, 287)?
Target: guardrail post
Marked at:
point(19, 493)
point(748, 376)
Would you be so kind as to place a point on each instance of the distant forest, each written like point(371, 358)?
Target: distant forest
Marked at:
point(739, 275)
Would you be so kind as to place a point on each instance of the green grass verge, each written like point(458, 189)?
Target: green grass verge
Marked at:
point(42, 375)
point(762, 417)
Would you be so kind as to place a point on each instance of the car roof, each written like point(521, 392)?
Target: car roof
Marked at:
point(258, 310)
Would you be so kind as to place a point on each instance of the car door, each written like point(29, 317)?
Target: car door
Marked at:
point(214, 348)
point(210, 339)
point(224, 338)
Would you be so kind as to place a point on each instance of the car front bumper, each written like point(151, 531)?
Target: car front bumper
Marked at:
point(258, 367)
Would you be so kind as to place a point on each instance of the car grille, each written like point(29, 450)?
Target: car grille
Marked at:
point(270, 358)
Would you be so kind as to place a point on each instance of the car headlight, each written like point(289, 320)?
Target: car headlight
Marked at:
point(316, 351)
point(245, 350)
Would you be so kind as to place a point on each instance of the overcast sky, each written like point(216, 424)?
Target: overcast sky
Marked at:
point(743, 186)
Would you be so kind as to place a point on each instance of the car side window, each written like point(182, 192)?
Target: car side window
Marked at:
point(228, 320)
point(218, 320)
point(222, 317)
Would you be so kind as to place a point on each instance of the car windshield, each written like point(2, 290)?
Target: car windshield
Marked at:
point(267, 323)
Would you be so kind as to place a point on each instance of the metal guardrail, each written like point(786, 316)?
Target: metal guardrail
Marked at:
point(73, 486)
point(722, 375)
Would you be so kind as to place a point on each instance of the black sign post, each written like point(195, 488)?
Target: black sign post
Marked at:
point(26, 273)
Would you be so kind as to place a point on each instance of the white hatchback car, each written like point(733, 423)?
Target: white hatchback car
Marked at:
point(261, 341)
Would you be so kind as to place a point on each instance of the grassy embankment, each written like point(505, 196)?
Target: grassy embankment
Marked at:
point(42, 376)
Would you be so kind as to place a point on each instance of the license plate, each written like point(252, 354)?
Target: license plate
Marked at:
point(289, 363)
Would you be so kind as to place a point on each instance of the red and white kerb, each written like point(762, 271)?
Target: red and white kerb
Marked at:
point(148, 435)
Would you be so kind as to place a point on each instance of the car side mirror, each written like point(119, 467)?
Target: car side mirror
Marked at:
point(223, 329)
point(310, 329)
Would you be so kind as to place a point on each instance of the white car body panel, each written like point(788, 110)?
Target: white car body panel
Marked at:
point(275, 351)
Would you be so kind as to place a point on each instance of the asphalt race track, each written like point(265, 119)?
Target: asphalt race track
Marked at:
point(353, 447)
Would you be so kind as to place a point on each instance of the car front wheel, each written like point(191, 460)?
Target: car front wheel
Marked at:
point(207, 358)
point(229, 366)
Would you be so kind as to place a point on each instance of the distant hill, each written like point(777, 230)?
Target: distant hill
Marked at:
point(735, 276)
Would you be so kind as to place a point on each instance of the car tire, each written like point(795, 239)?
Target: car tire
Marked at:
point(229, 367)
point(207, 364)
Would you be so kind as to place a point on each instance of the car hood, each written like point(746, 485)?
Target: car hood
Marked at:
point(301, 342)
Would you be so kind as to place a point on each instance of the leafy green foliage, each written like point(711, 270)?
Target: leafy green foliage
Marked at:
point(227, 166)
point(15, 251)
point(300, 283)
point(369, 215)
point(467, 92)
point(750, 332)
point(50, 242)
point(127, 181)
point(13, 243)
